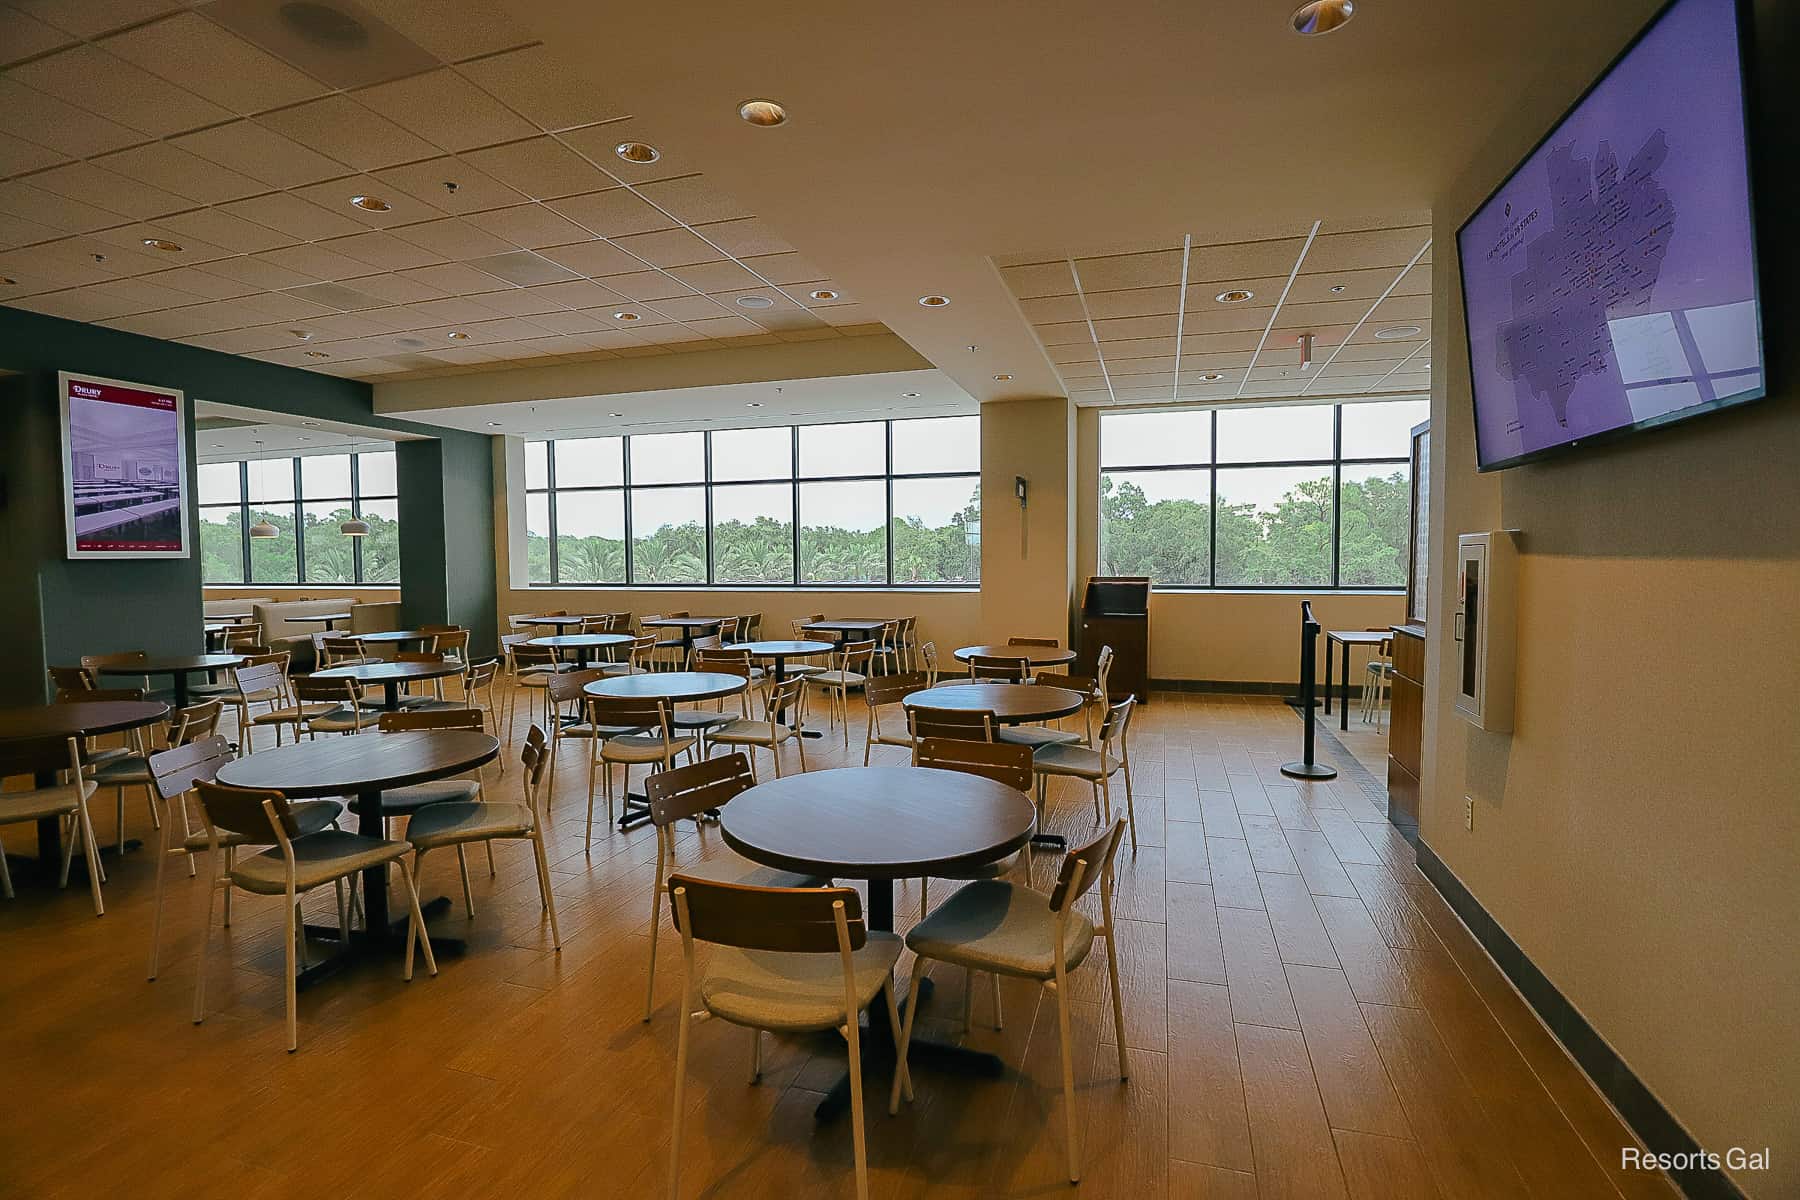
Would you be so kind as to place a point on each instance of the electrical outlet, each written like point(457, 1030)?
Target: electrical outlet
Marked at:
point(1469, 813)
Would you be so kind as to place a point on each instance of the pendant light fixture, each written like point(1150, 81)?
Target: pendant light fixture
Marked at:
point(263, 528)
point(355, 526)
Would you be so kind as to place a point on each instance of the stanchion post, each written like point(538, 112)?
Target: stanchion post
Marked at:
point(1307, 768)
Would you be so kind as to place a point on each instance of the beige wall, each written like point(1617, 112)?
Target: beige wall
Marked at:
point(1026, 572)
point(1638, 833)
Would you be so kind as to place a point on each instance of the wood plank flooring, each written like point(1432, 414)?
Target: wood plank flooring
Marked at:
point(1305, 1018)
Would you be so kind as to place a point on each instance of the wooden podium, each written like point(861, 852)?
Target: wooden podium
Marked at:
point(1116, 612)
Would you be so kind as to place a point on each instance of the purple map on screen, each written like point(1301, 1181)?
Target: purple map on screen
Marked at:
point(1611, 280)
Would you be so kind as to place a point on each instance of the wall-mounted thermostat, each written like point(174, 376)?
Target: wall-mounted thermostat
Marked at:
point(1485, 629)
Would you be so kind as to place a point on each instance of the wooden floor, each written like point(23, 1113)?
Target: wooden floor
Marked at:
point(1305, 1018)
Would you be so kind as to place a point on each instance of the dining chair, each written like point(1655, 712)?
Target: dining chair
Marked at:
point(185, 725)
point(1046, 733)
point(174, 774)
point(74, 679)
point(880, 692)
point(928, 660)
point(245, 639)
point(337, 651)
point(650, 742)
point(452, 643)
point(461, 822)
point(478, 680)
point(1096, 765)
point(1378, 675)
point(410, 699)
point(1004, 764)
point(65, 801)
point(567, 702)
point(784, 720)
point(297, 864)
point(999, 667)
point(263, 679)
point(335, 705)
point(909, 642)
point(92, 754)
point(686, 793)
point(698, 721)
point(408, 801)
point(532, 668)
point(637, 657)
point(969, 724)
point(797, 960)
point(850, 669)
point(1010, 929)
point(887, 647)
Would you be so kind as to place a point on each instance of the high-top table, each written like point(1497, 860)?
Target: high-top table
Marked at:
point(390, 675)
point(329, 620)
point(80, 719)
point(860, 628)
point(676, 687)
point(778, 652)
point(881, 824)
point(364, 767)
point(1347, 638)
point(176, 666)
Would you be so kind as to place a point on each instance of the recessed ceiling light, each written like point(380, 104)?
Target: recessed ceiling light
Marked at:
point(1211, 377)
point(1337, 288)
point(824, 294)
point(637, 152)
point(615, 414)
point(317, 354)
point(457, 336)
point(625, 316)
point(1322, 16)
point(371, 204)
point(934, 301)
point(910, 395)
point(763, 112)
point(162, 244)
point(1001, 378)
point(753, 404)
point(755, 302)
point(1396, 332)
point(1235, 296)
point(494, 424)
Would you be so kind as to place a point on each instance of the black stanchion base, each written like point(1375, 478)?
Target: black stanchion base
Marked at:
point(1305, 770)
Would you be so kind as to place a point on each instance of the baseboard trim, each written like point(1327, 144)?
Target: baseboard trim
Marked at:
point(1654, 1124)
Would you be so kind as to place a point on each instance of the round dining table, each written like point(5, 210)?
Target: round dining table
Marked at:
point(363, 767)
point(393, 637)
point(556, 621)
point(880, 824)
point(777, 653)
point(561, 642)
point(1011, 703)
point(677, 687)
point(1037, 656)
point(390, 675)
point(77, 719)
point(177, 666)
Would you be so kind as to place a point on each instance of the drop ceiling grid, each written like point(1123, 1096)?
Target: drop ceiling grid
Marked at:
point(1107, 346)
point(299, 244)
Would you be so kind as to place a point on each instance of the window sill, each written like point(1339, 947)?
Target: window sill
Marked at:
point(872, 589)
point(1274, 591)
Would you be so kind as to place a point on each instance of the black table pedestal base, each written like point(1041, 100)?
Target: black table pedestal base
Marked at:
point(368, 944)
point(880, 1049)
point(47, 868)
point(1050, 841)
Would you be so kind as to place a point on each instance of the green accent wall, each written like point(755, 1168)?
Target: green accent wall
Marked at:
point(61, 609)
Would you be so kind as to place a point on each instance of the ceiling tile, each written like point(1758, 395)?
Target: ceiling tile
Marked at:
point(1236, 262)
point(614, 213)
point(533, 83)
point(721, 276)
point(454, 238)
point(645, 285)
point(168, 167)
point(579, 293)
point(397, 289)
point(311, 37)
point(1371, 248)
point(669, 248)
point(692, 199)
point(446, 109)
point(221, 228)
point(1133, 302)
point(66, 214)
point(692, 308)
point(523, 268)
point(18, 155)
point(451, 31)
point(383, 251)
point(533, 226)
point(455, 279)
point(519, 302)
point(263, 275)
point(289, 214)
point(204, 282)
point(595, 258)
point(542, 168)
point(348, 132)
point(85, 181)
point(1047, 310)
point(336, 196)
point(315, 262)
point(1044, 279)
point(724, 327)
point(1064, 333)
point(787, 268)
point(119, 91)
point(30, 114)
point(261, 154)
point(23, 36)
point(601, 142)
point(343, 297)
point(90, 18)
point(1112, 272)
point(474, 191)
point(188, 50)
point(744, 237)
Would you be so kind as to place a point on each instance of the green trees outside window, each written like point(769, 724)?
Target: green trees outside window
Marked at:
point(307, 500)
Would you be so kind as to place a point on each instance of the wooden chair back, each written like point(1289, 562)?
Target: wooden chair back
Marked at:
point(1074, 683)
point(685, 792)
point(336, 651)
point(1084, 866)
point(74, 679)
point(260, 815)
point(786, 920)
point(243, 637)
point(195, 722)
point(725, 662)
point(566, 687)
point(125, 658)
point(1102, 669)
point(727, 631)
point(535, 758)
point(34, 755)
point(789, 698)
point(631, 712)
point(891, 689)
point(750, 626)
point(996, 666)
point(966, 724)
point(1026, 641)
point(1116, 722)
point(1003, 762)
point(432, 718)
point(929, 656)
point(421, 656)
point(429, 628)
point(311, 689)
point(260, 681)
point(481, 674)
point(533, 656)
point(179, 768)
point(453, 643)
point(856, 656)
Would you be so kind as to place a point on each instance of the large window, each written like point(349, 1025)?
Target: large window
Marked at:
point(869, 503)
point(307, 500)
point(1295, 496)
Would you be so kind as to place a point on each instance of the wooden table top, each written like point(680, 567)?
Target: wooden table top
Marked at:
point(783, 649)
point(582, 641)
point(170, 664)
point(229, 616)
point(877, 822)
point(1011, 703)
point(78, 719)
point(669, 685)
point(850, 624)
point(391, 672)
point(393, 635)
point(337, 616)
point(1359, 637)
point(338, 766)
point(1038, 656)
point(681, 622)
point(565, 619)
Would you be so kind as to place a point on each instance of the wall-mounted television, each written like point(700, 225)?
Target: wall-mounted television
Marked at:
point(1609, 284)
point(125, 468)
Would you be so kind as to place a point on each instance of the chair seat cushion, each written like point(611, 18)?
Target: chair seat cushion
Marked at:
point(1002, 927)
point(615, 670)
point(641, 747)
point(702, 720)
point(466, 821)
point(839, 678)
point(769, 990)
point(1058, 759)
point(292, 715)
point(311, 815)
point(318, 858)
point(122, 772)
point(338, 720)
point(993, 870)
point(760, 732)
point(1037, 735)
point(732, 868)
point(39, 803)
point(442, 791)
